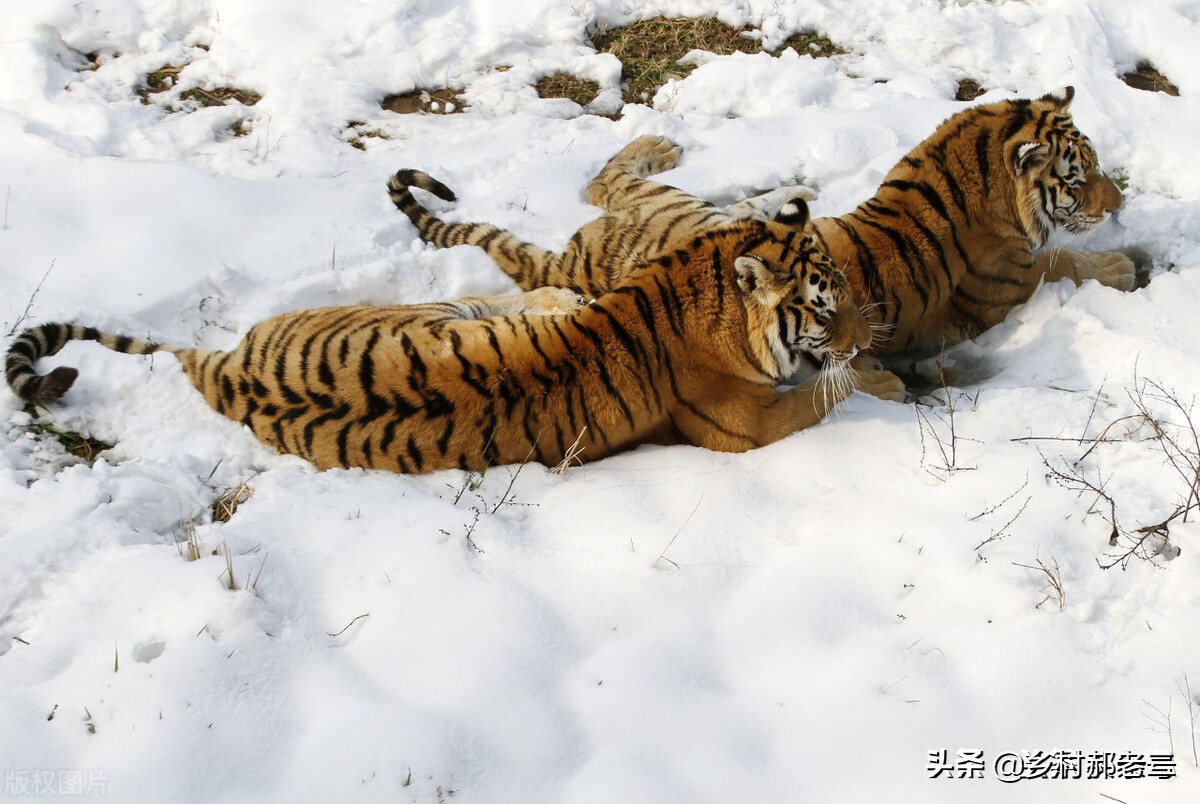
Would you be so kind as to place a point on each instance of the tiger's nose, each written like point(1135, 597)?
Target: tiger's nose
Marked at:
point(1110, 195)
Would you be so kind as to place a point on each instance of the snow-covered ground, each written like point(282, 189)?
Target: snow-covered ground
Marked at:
point(814, 621)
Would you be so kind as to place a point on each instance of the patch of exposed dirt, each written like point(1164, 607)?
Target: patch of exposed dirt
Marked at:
point(432, 101)
point(1148, 78)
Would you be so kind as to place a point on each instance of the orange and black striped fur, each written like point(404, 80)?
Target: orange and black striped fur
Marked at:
point(950, 242)
point(688, 352)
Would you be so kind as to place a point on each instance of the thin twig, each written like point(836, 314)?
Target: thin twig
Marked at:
point(352, 622)
point(1000, 534)
point(1191, 702)
point(29, 305)
point(1000, 504)
point(1092, 412)
point(663, 555)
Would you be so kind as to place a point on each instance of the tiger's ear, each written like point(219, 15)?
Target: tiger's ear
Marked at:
point(757, 281)
point(1060, 97)
point(1031, 156)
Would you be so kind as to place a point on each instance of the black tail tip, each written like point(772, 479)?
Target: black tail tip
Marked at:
point(40, 390)
point(416, 178)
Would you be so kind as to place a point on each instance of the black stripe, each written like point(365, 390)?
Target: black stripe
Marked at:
point(982, 157)
point(602, 370)
point(414, 453)
point(926, 191)
point(340, 412)
point(866, 260)
point(377, 405)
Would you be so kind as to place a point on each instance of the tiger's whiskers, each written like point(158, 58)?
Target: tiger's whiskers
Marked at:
point(836, 381)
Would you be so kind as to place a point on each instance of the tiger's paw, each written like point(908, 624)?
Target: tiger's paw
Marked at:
point(552, 301)
point(1109, 268)
point(872, 378)
point(652, 154)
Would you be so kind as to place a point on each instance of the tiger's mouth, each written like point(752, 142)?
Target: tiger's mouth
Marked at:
point(822, 362)
point(1083, 224)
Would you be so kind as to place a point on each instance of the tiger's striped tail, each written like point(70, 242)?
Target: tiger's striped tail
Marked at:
point(47, 339)
point(528, 265)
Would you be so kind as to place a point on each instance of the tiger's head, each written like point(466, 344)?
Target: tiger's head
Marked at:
point(798, 303)
point(1057, 172)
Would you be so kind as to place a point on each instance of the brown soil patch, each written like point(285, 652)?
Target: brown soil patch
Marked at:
point(432, 101)
point(1148, 78)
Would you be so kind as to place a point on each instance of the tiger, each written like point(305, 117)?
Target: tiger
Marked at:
point(690, 352)
point(612, 248)
point(951, 241)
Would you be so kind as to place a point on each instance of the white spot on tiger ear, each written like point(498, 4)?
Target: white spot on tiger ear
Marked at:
point(1031, 155)
point(794, 213)
point(1061, 97)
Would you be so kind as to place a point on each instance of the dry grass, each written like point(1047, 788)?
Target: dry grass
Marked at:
point(650, 50)
point(1054, 583)
point(968, 89)
point(81, 446)
point(812, 43)
point(227, 502)
point(167, 76)
point(220, 96)
point(1147, 77)
point(159, 81)
point(190, 547)
point(571, 87)
point(571, 457)
point(357, 134)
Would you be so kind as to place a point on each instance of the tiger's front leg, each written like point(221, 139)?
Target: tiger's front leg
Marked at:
point(748, 415)
point(617, 185)
point(872, 378)
point(1109, 268)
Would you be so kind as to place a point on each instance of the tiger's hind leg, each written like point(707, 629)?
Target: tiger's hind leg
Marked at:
point(1109, 268)
point(541, 301)
point(622, 181)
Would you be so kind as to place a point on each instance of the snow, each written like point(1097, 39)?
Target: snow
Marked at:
point(807, 622)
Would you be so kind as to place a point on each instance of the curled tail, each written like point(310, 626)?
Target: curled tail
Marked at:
point(529, 266)
point(47, 339)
